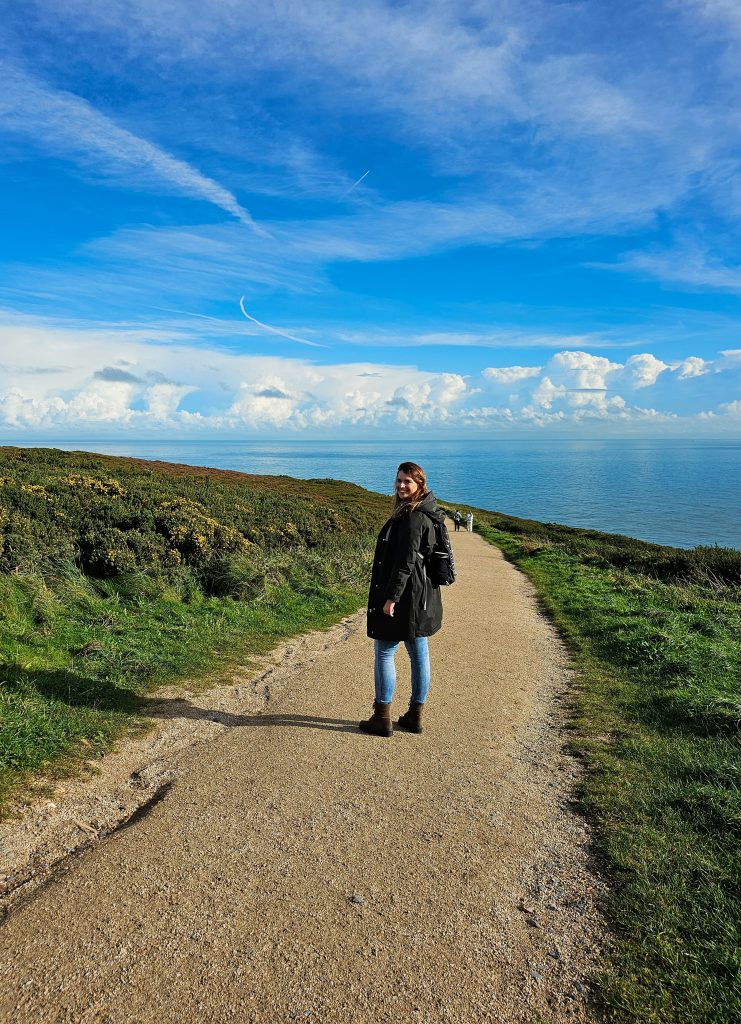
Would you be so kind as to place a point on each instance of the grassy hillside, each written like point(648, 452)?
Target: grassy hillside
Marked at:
point(655, 633)
point(117, 575)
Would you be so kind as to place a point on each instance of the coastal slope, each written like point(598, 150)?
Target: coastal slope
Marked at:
point(296, 869)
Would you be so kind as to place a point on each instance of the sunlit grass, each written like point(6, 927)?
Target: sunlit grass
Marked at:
point(657, 716)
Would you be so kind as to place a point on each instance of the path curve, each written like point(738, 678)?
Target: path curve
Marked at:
point(296, 869)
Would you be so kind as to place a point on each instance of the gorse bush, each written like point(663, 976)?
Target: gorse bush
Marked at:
point(114, 517)
point(703, 563)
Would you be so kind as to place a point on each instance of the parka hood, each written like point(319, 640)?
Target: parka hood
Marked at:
point(429, 505)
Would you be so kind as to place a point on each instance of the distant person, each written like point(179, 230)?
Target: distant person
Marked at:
point(403, 606)
point(469, 521)
point(457, 520)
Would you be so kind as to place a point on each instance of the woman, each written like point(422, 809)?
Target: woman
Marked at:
point(402, 603)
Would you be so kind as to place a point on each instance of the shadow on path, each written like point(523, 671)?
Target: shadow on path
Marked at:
point(183, 709)
point(77, 689)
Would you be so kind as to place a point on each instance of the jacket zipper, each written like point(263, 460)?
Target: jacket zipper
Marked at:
point(424, 582)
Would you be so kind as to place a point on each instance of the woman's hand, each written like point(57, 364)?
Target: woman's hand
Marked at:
point(388, 608)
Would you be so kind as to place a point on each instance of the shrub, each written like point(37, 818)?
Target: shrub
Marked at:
point(715, 563)
point(117, 517)
point(233, 575)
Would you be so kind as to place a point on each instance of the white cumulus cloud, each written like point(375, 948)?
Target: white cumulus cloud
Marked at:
point(64, 379)
point(510, 374)
point(643, 370)
point(580, 370)
point(692, 366)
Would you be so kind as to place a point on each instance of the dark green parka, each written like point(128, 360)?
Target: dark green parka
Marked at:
point(399, 575)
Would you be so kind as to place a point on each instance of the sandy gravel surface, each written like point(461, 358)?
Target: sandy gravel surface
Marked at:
point(291, 868)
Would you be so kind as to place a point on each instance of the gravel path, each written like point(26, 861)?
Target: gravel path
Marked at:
point(291, 868)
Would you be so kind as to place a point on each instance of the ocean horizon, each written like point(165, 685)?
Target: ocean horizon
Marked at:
point(671, 491)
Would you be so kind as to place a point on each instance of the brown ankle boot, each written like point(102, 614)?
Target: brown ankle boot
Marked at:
point(411, 720)
point(379, 723)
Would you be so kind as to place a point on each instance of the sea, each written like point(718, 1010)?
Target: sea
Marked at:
point(678, 492)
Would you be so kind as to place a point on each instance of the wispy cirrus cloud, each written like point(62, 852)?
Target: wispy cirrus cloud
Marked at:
point(67, 125)
point(483, 337)
point(723, 15)
point(433, 60)
point(543, 127)
point(136, 264)
point(525, 100)
point(688, 264)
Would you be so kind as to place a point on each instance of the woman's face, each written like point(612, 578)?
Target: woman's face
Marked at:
point(406, 486)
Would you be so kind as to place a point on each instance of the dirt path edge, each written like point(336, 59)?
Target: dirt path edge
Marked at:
point(39, 837)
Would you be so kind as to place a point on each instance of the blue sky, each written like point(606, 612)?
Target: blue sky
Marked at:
point(497, 218)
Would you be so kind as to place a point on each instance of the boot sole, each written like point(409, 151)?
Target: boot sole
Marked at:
point(375, 732)
point(409, 728)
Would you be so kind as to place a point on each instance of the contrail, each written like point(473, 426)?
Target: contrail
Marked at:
point(187, 312)
point(355, 185)
point(274, 330)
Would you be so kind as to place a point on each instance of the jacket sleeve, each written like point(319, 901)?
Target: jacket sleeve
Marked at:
point(405, 556)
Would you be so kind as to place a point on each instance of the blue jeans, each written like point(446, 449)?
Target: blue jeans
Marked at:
point(384, 669)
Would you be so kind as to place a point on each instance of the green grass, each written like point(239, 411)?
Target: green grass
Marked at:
point(657, 644)
point(80, 660)
point(118, 576)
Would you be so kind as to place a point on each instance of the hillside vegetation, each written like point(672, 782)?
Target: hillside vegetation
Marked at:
point(117, 575)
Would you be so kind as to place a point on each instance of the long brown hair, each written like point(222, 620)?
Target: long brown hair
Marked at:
point(418, 475)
